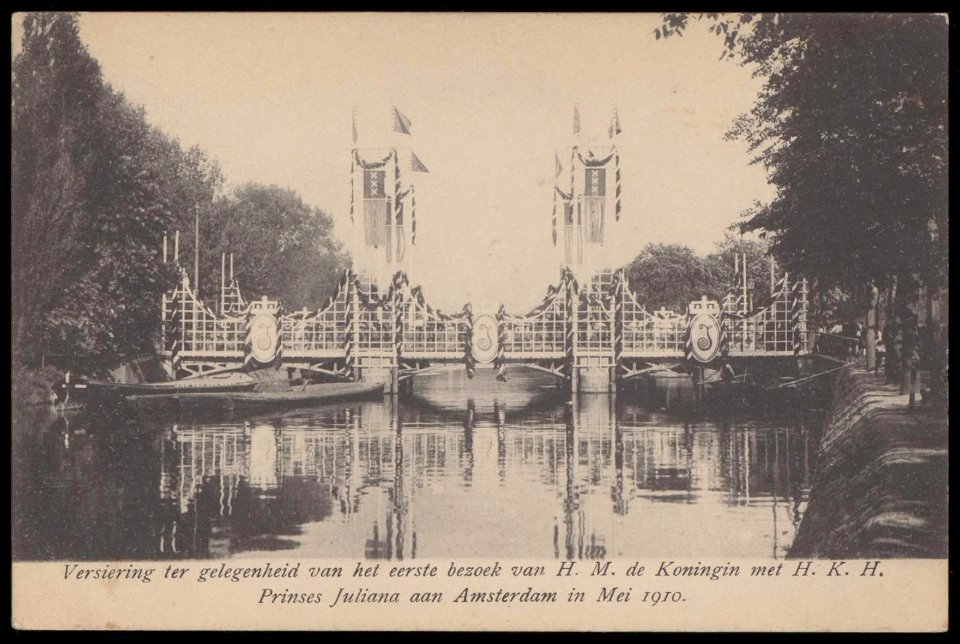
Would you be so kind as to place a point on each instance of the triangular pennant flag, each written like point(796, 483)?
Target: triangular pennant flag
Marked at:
point(400, 122)
point(416, 164)
point(576, 119)
point(614, 123)
point(559, 166)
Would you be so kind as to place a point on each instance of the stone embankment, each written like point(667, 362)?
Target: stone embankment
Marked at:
point(881, 485)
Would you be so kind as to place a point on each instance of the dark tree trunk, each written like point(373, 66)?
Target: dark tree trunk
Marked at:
point(908, 290)
point(892, 337)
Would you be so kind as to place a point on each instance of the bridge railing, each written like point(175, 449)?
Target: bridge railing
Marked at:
point(656, 333)
point(427, 333)
point(777, 327)
point(319, 334)
point(835, 346)
point(542, 332)
point(193, 329)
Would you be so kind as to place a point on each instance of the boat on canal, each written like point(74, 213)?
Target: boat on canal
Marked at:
point(264, 399)
point(107, 391)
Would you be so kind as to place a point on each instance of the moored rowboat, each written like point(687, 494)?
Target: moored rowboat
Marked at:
point(247, 401)
point(220, 383)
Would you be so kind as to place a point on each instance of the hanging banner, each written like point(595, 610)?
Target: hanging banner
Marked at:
point(594, 210)
point(375, 208)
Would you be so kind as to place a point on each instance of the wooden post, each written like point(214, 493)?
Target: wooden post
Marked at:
point(913, 387)
point(223, 279)
point(773, 274)
point(355, 323)
point(871, 330)
point(231, 267)
point(176, 246)
point(164, 248)
point(745, 301)
point(196, 250)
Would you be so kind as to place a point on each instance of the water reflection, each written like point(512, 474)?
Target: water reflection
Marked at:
point(385, 480)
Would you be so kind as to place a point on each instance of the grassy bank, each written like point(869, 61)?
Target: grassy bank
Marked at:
point(881, 484)
point(31, 386)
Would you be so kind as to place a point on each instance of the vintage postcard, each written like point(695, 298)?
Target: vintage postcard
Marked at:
point(444, 321)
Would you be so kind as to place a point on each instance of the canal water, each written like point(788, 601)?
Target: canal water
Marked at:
point(461, 469)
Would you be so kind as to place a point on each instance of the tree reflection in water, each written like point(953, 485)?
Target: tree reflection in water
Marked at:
point(588, 480)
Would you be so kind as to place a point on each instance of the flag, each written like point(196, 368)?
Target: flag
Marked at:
point(594, 207)
point(595, 182)
point(354, 127)
point(614, 123)
point(375, 217)
point(416, 164)
point(559, 166)
point(576, 119)
point(373, 184)
point(400, 122)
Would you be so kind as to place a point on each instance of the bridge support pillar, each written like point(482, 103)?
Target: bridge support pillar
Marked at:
point(380, 370)
point(588, 379)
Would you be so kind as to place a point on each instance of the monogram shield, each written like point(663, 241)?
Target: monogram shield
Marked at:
point(263, 338)
point(485, 338)
point(704, 337)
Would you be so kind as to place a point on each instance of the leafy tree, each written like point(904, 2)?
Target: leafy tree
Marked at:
point(283, 248)
point(851, 126)
point(94, 187)
point(668, 275)
point(719, 266)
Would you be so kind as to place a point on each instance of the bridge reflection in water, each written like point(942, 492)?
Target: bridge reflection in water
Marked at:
point(583, 482)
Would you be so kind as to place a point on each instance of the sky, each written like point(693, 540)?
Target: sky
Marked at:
point(490, 98)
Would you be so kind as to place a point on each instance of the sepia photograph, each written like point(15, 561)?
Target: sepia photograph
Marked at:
point(318, 307)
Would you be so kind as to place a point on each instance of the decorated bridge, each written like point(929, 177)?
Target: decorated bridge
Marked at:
point(378, 327)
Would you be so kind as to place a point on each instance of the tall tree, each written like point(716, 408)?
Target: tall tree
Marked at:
point(283, 248)
point(668, 275)
point(94, 187)
point(852, 128)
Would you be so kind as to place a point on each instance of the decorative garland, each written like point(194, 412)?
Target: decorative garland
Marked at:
point(174, 329)
point(618, 280)
point(248, 342)
point(468, 359)
point(413, 216)
point(616, 165)
point(499, 363)
point(278, 357)
point(397, 197)
point(348, 338)
point(353, 189)
point(596, 163)
point(553, 219)
point(373, 165)
point(572, 303)
point(399, 279)
point(795, 317)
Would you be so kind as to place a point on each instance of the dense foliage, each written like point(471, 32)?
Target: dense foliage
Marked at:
point(282, 247)
point(94, 188)
point(671, 275)
point(852, 128)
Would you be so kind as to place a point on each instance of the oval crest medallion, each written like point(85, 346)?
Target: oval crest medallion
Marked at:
point(263, 338)
point(485, 338)
point(704, 338)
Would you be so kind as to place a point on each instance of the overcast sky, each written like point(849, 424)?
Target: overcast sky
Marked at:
point(490, 97)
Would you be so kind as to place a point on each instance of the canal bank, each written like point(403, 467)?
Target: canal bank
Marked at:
point(880, 489)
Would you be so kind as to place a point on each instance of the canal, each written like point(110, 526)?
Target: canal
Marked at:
point(460, 469)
